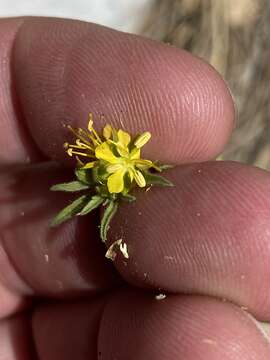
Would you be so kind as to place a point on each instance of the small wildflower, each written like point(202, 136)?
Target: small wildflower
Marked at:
point(109, 167)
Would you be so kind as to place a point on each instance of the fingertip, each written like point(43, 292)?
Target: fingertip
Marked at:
point(72, 68)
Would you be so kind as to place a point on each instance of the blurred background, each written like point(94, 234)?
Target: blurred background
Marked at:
point(232, 35)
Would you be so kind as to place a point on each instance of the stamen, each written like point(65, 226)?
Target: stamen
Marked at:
point(83, 145)
point(85, 133)
point(95, 142)
point(79, 161)
point(90, 128)
point(71, 152)
point(90, 122)
point(77, 133)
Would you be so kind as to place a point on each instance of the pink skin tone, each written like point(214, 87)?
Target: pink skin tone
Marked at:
point(204, 242)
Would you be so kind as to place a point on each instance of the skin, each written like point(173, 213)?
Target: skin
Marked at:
point(205, 242)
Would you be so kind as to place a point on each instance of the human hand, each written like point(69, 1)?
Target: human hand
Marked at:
point(205, 242)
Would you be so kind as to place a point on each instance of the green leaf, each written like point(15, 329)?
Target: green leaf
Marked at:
point(128, 197)
point(165, 166)
point(71, 210)
point(106, 219)
point(92, 204)
point(70, 186)
point(153, 179)
point(84, 176)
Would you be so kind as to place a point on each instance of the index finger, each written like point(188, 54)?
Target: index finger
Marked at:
point(63, 69)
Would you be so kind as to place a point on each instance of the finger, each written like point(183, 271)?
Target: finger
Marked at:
point(68, 331)
point(15, 141)
point(209, 235)
point(137, 326)
point(67, 261)
point(65, 69)
point(15, 339)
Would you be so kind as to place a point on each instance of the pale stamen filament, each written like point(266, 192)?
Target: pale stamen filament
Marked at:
point(71, 152)
point(77, 133)
point(94, 141)
point(71, 147)
point(90, 128)
point(83, 145)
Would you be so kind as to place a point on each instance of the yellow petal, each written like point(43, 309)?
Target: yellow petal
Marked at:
point(122, 151)
point(107, 131)
point(142, 139)
point(116, 182)
point(123, 138)
point(104, 152)
point(113, 168)
point(89, 165)
point(139, 178)
point(135, 154)
point(131, 174)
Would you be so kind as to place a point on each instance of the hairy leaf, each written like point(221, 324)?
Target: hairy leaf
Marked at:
point(70, 186)
point(153, 179)
point(71, 210)
point(95, 202)
point(106, 219)
point(128, 197)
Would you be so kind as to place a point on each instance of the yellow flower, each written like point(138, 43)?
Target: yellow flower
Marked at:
point(117, 152)
point(123, 160)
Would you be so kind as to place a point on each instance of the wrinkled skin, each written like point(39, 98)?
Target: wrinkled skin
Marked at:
point(204, 243)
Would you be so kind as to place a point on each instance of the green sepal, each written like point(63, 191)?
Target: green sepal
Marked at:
point(70, 186)
point(84, 176)
point(153, 179)
point(109, 212)
point(95, 202)
point(128, 197)
point(71, 210)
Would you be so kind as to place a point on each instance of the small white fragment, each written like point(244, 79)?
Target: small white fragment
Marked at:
point(160, 297)
point(198, 214)
point(111, 252)
point(46, 257)
point(209, 341)
point(22, 213)
point(243, 277)
point(124, 250)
